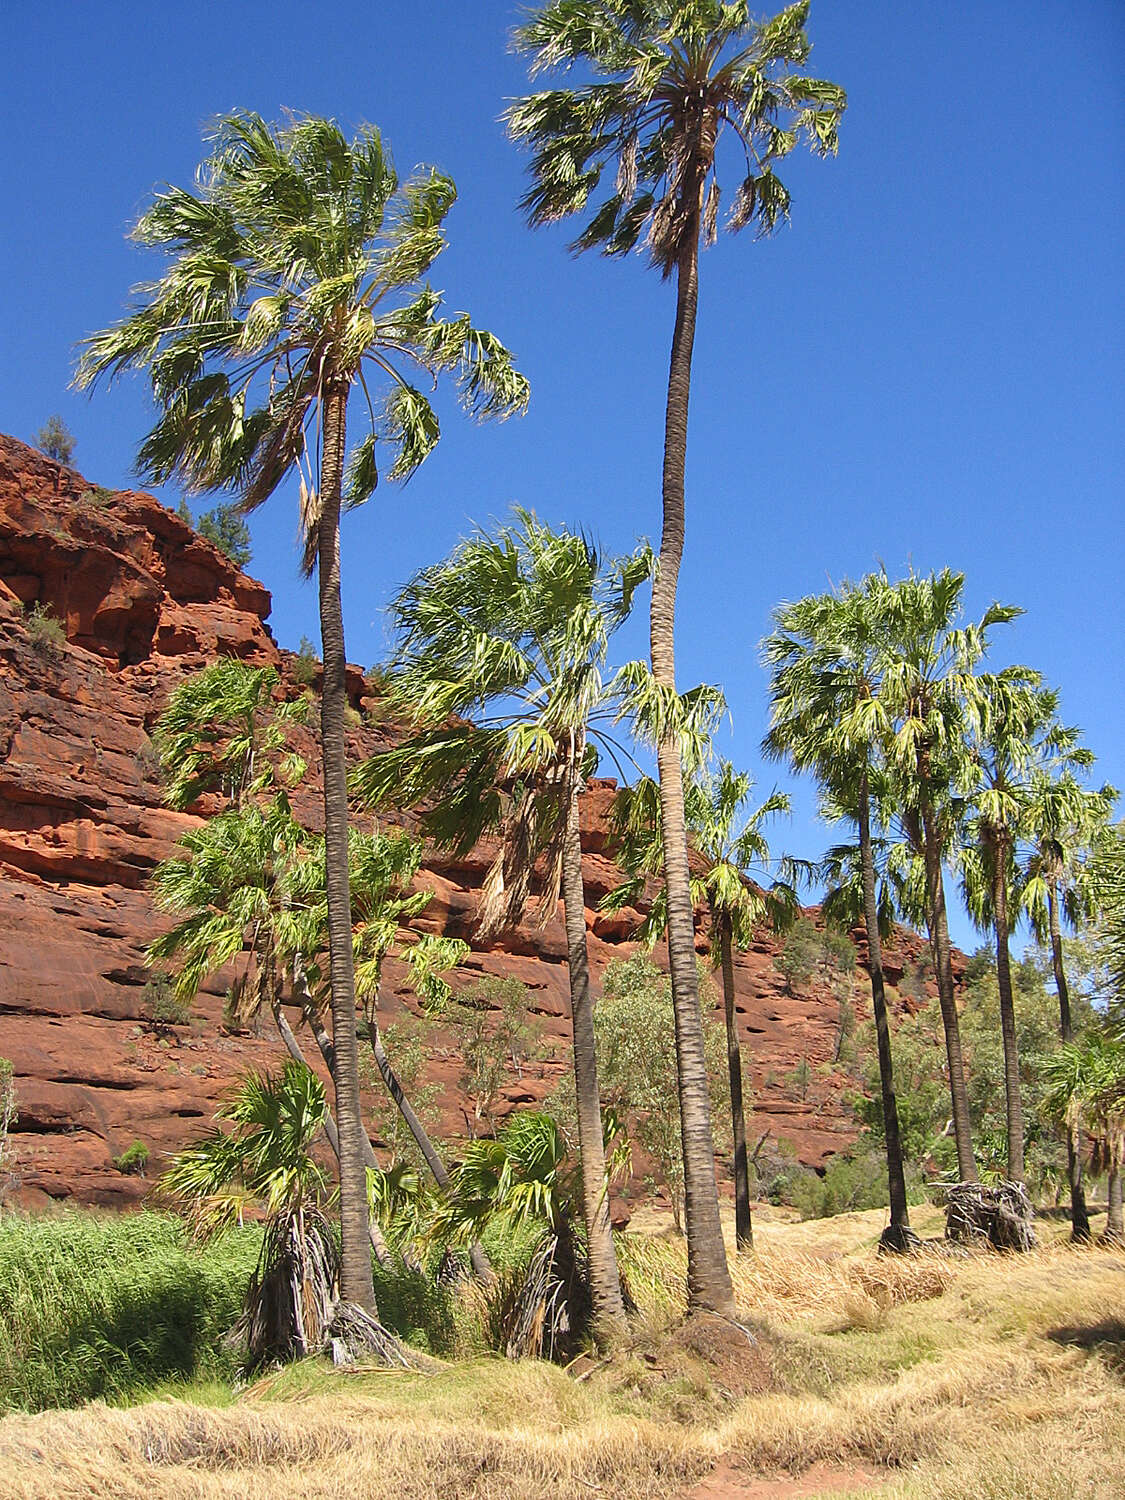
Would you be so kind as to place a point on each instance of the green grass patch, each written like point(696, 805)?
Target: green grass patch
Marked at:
point(106, 1306)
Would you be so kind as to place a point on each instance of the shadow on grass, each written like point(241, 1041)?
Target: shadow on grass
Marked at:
point(1105, 1338)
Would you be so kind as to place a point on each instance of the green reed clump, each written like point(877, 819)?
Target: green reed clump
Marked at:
point(94, 1305)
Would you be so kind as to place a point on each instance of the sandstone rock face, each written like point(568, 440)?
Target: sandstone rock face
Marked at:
point(143, 601)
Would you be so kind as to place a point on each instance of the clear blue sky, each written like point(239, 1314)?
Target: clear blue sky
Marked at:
point(927, 367)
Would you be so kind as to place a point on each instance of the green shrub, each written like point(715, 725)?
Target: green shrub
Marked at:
point(305, 666)
point(133, 1160)
point(161, 1005)
point(849, 1183)
point(105, 1306)
point(55, 439)
point(44, 631)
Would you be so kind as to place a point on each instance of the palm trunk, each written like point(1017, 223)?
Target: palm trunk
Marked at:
point(943, 968)
point(1079, 1213)
point(482, 1267)
point(709, 1284)
point(743, 1224)
point(898, 1236)
point(1115, 1220)
point(356, 1285)
point(605, 1282)
point(293, 1047)
point(1013, 1106)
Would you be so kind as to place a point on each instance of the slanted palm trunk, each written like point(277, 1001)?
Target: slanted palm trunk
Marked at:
point(898, 1235)
point(998, 855)
point(1079, 1213)
point(605, 1283)
point(943, 968)
point(356, 1285)
point(709, 1284)
point(743, 1225)
point(482, 1267)
point(293, 1047)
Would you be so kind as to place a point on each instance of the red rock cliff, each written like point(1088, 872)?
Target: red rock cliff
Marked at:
point(143, 601)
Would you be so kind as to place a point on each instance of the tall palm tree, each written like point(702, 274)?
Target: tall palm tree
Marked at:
point(501, 669)
point(1064, 825)
point(296, 275)
point(737, 855)
point(1014, 732)
point(927, 663)
point(828, 717)
point(669, 81)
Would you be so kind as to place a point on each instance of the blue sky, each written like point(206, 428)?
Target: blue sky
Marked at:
point(926, 367)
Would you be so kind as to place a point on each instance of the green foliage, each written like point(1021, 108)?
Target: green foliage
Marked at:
point(409, 1049)
point(262, 1161)
point(640, 136)
point(493, 1037)
point(853, 1181)
point(226, 529)
point(45, 631)
point(97, 496)
point(223, 731)
point(796, 960)
point(501, 670)
point(923, 1094)
point(161, 1004)
point(800, 1078)
point(635, 1032)
point(103, 1307)
point(133, 1160)
point(306, 666)
point(55, 439)
point(297, 250)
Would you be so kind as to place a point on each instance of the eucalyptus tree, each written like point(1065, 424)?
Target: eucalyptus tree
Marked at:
point(1065, 824)
point(296, 275)
point(667, 83)
point(1014, 733)
point(828, 717)
point(733, 847)
point(501, 678)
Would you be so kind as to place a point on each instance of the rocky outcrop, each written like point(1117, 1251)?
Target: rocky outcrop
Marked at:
point(139, 600)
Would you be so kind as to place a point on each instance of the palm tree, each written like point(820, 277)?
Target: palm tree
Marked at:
point(522, 1178)
point(256, 878)
point(827, 716)
point(668, 83)
point(1015, 731)
point(737, 855)
point(927, 664)
point(1064, 825)
point(264, 1162)
point(1085, 1088)
point(501, 671)
point(296, 275)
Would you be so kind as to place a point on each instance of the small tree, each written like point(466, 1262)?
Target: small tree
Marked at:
point(490, 1018)
point(225, 528)
point(797, 959)
point(56, 440)
point(635, 1030)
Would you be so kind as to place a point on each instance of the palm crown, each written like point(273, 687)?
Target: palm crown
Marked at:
point(297, 269)
point(670, 77)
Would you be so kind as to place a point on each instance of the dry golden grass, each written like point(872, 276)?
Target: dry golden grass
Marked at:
point(985, 1376)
